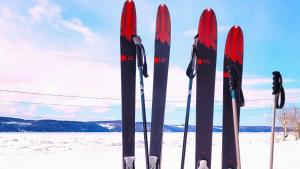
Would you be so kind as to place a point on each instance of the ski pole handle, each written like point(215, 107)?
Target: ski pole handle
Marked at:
point(277, 82)
point(235, 85)
point(140, 54)
point(138, 42)
point(233, 81)
point(278, 90)
point(191, 70)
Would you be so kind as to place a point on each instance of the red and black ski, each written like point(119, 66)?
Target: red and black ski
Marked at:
point(233, 59)
point(161, 66)
point(128, 80)
point(205, 89)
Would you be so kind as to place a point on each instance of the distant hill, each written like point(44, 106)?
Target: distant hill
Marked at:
point(20, 125)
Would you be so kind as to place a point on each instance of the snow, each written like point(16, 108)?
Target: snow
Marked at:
point(103, 150)
point(17, 123)
point(179, 126)
point(109, 126)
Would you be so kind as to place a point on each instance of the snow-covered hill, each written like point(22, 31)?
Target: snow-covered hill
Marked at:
point(20, 125)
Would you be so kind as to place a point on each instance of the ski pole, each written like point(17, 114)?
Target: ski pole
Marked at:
point(142, 66)
point(191, 72)
point(278, 91)
point(236, 95)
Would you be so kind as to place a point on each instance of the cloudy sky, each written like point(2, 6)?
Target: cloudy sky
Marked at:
point(60, 59)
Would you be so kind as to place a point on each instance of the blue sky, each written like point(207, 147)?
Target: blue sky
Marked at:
point(72, 48)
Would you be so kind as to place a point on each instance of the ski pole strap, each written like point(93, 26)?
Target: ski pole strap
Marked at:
point(191, 70)
point(278, 90)
point(235, 85)
point(140, 54)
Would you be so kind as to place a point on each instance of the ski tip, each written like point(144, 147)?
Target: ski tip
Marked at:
point(129, 1)
point(234, 47)
point(128, 19)
point(236, 28)
point(163, 9)
point(207, 29)
point(163, 24)
point(208, 10)
point(163, 6)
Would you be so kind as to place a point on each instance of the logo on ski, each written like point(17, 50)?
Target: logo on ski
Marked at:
point(127, 58)
point(202, 61)
point(226, 75)
point(160, 60)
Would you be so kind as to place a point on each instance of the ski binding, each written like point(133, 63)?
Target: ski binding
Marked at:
point(203, 164)
point(129, 162)
point(153, 162)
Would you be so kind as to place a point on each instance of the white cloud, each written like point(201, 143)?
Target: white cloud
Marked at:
point(76, 25)
point(44, 9)
point(26, 65)
point(256, 81)
point(223, 29)
point(53, 13)
point(256, 96)
point(9, 14)
point(190, 33)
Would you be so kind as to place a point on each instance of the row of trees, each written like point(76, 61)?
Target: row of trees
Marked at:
point(289, 119)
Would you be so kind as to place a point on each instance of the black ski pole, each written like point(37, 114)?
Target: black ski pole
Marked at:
point(278, 91)
point(237, 99)
point(190, 72)
point(142, 66)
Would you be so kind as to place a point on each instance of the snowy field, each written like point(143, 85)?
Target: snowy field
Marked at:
point(103, 150)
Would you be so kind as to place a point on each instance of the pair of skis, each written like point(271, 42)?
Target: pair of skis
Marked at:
point(132, 49)
point(203, 66)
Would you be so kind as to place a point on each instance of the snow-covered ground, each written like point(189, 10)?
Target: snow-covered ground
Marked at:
point(103, 150)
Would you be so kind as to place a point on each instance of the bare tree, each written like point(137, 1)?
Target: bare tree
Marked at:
point(295, 122)
point(290, 121)
point(283, 119)
point(298, 127)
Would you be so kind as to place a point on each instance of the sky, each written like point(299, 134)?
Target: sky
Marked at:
point(60, 59)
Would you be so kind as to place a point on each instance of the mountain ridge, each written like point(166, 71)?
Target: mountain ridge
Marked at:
point(9, 124)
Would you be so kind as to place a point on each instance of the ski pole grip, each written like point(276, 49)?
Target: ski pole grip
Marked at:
point(278, 90)
point(277, 82)
point(191, 70)
point(140, 54)
point(232, 72)
point(138, 41)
